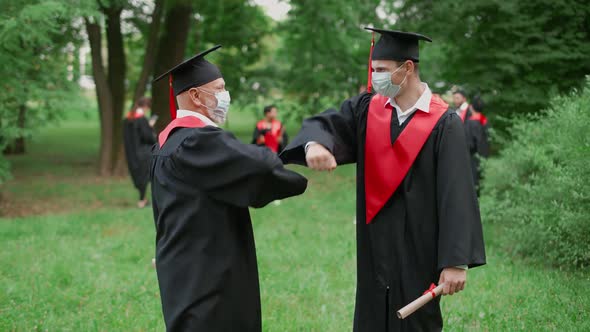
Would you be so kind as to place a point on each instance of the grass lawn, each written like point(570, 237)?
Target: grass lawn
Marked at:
point(77, 256)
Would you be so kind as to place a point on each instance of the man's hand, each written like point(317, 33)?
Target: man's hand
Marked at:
point(319, 158)
point(454, 280)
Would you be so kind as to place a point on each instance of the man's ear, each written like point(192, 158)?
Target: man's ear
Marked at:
point(193, 94)
point(411, 67)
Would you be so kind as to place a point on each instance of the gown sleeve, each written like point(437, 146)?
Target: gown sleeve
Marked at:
point(471, 134)
point(483, 148)
point(146, 132)
point(335, 130)
point(460, 239)
point(238, 174)
point(131, 143)
point(255, 135)
point(285, 141)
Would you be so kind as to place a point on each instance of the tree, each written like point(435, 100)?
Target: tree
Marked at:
point(516, 53)
point(326, 50)
point(170, 51)
point(151, 44)
point(241, 40)
point(193, 26)
point(110, 81)
point(35, 40)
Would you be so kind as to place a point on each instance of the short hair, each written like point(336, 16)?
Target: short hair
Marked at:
point(477, 103)
point(144, 102)
point(461, 92)
point(416, 65)
point(268, 108)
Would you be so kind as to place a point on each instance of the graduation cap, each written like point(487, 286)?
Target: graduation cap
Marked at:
point(193, 72)
point(396, 46)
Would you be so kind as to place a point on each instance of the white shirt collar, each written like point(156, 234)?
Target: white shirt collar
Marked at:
point(464, 106)
point(423, 103)
point(206, 120)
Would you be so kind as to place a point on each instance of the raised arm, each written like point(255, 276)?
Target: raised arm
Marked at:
point(235, 173)
point(334, 131)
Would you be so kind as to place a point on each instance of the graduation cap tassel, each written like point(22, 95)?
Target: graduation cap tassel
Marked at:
point(172, 100)
point(370, 75)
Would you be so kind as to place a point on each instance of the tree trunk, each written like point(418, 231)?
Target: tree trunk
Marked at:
point(116, 79)
point(150, 51)
point(171, 48)
point(146, 71)
point(104, 97)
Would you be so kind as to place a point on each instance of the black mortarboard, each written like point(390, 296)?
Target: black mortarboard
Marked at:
point(193, 72)
point(394, 45)
point(397, 45)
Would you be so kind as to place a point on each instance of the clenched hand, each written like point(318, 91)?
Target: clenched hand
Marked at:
point(454, 280)
point(319, 158)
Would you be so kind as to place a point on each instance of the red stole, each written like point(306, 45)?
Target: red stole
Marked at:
point(184, 122)
point(271, 138)
point(385, 165)
point(479, 117)
point(134, 115)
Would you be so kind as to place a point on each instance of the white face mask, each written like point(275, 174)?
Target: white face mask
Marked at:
point(219, 113)
point(384, 86)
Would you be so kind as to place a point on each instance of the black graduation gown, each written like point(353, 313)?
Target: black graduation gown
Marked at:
point(476, 135)
point(203, 181)
point(138, 139)
point(431, 222)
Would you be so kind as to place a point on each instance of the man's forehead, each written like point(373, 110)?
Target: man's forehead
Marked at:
point(218, 83)
point(382, 63)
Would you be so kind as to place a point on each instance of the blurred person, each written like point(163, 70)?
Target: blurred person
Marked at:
point(418, 218)
point(138, 139)
point(476, 133)
point(203, 181)
point(269, 131)
point(479, 146)
point(461, 104)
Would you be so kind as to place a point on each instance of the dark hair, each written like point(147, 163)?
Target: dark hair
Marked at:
point(416, 65)
point(461, 92)
point(144, 102)
point(477, 103)
point(268, 108)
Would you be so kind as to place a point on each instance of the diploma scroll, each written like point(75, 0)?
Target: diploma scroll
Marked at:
point(418, 303)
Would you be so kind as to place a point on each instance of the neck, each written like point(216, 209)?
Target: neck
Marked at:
point(410, 95)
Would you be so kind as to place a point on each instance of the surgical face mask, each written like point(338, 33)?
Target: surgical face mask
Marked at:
point(384, 86)
point(219, 113)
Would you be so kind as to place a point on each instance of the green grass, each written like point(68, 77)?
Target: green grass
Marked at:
point(88, 267)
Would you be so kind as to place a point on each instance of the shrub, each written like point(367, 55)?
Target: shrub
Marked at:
point(538, 189)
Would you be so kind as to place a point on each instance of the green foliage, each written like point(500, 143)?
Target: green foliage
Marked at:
point(239, 26)
point(538, 187)
point(36, 38)
point(516, 53)
point(324, 51)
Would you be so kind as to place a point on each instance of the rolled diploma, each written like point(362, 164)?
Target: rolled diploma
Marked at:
point(419, 302)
